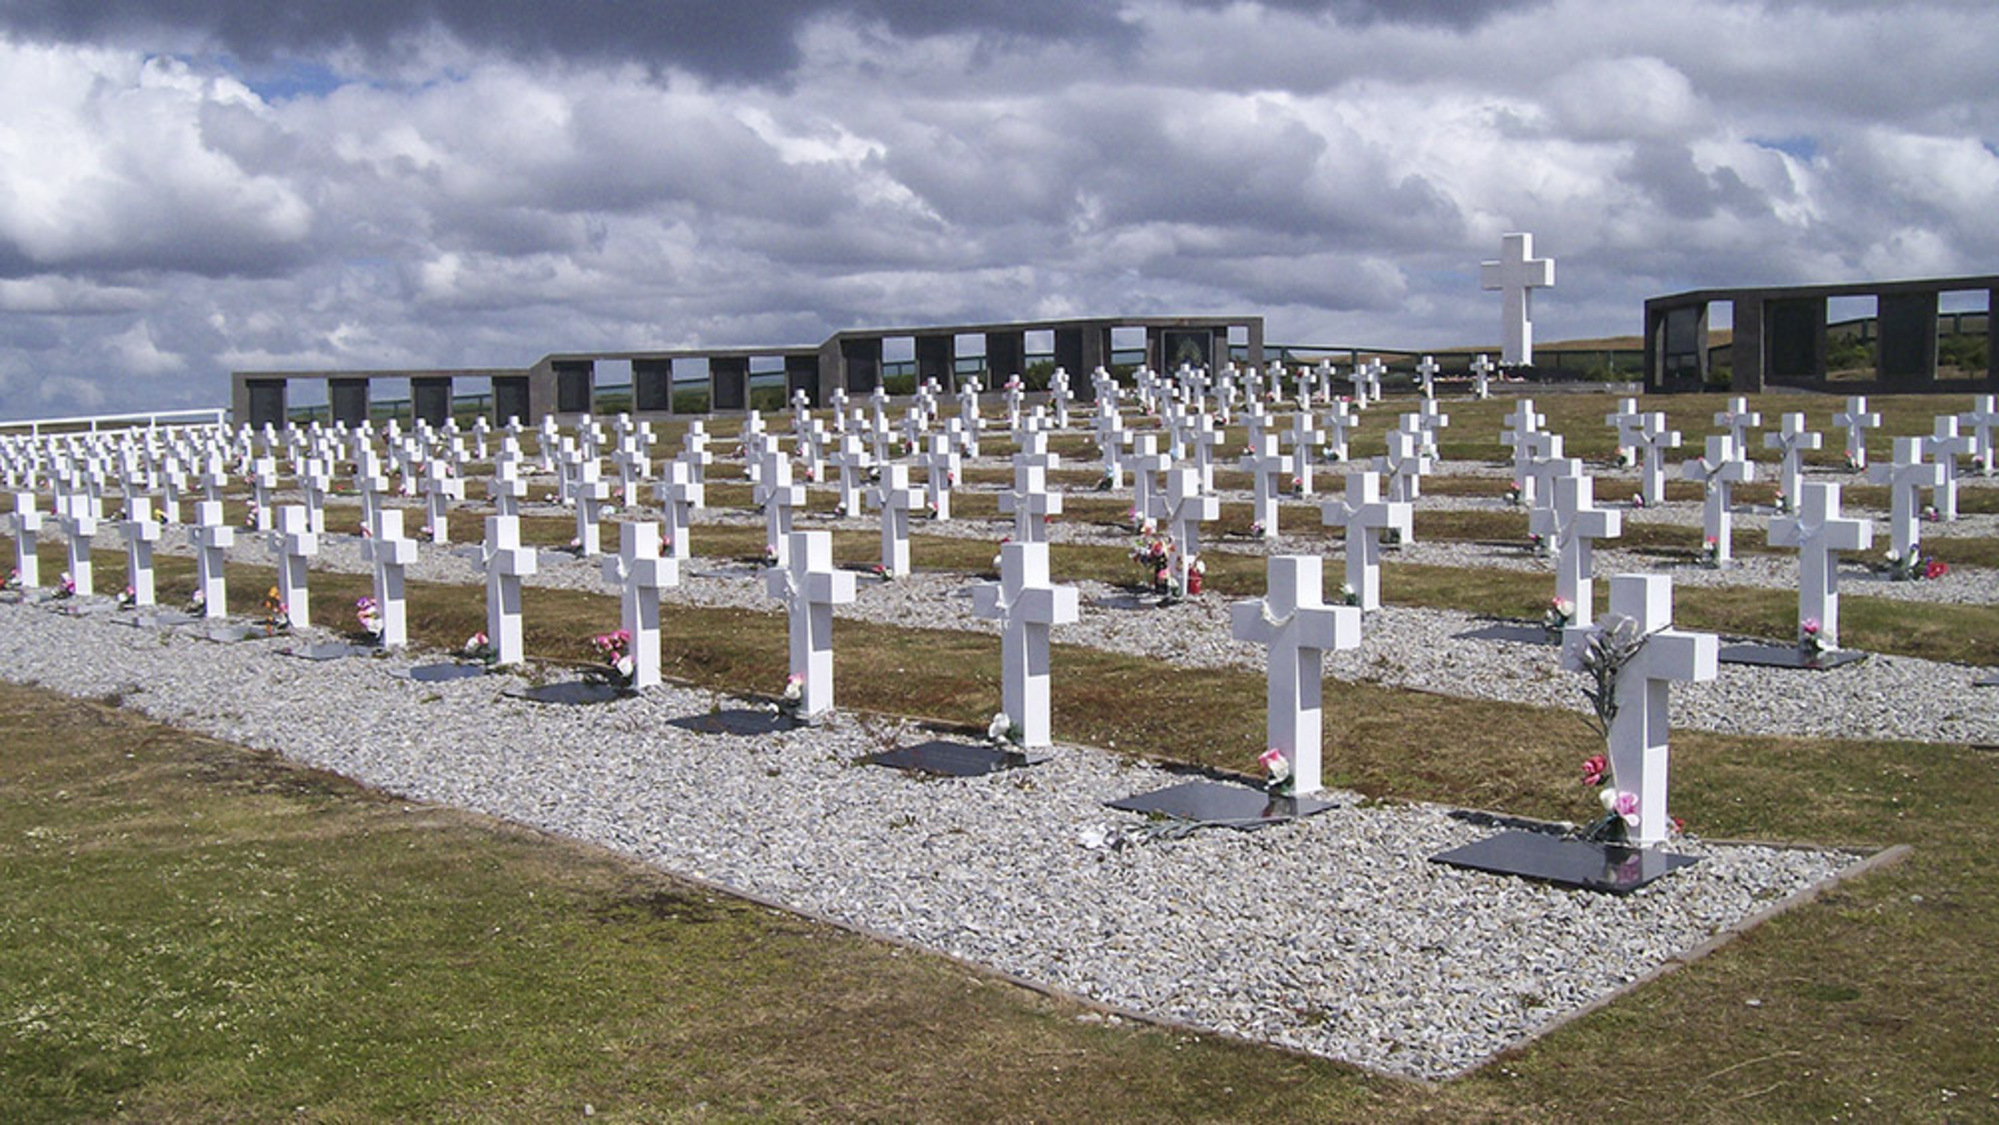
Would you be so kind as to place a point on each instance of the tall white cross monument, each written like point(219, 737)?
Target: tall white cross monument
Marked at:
point(1516, 275)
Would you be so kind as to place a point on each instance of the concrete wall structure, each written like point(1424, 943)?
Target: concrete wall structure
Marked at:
point(564, 384)
point(1780, 337)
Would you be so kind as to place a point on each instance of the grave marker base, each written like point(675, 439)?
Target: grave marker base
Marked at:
point(1211, 802)
point(572, 693)
point(444, 673)
point(1786, 656)
point(231, 634)
point(1607, 868)
point(952, 759)
point(740, 720)
point(329, 650)
point(1989, 681)
point(26, 597)
point(164, 618)
point(86, 607)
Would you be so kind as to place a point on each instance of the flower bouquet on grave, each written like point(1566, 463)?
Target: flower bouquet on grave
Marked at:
point(1710, 553)
point(65, 586)
point(1811, 640)
point(1104, 482)
point(1197, 576)
point(1391, 537)
point(1853, 464)
point(362, 530)
point(477, 647)
point(129, 599)
point(1537, 543)
point(1256, 529)
point(1277, 779)
point(277, 615)
point(1914, 566)
point(792, 698)
point(615, 650)
point(1782, 503)
point(1297, 486)
point(13, 579)
point(1638, 500)
point(1004, 733)
point(770, 554)
point(427, 533)
point(1153, 553)
point(1930, 514)
point(882, 572)
point(367, 615)
point(1560, 615)
point(1627, 457)
point(250, 515)
point(1349, 595)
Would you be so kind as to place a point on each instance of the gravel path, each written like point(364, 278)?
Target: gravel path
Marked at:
point(1332, 935)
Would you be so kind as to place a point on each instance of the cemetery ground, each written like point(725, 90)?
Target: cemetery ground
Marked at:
point(450, 964)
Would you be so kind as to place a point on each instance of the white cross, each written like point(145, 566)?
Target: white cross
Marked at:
point(1205, 439)
point(1339, 419)
point(1624, 420)
point(1905, 477)
point(1146, 464)
point(1638, 731)
point(507, 562)
point(507, 489)
point(212, 539)
point(390, 553)
point(313, 481)
point(810, 588)
point(1652, 439)
point(1516, 275)
point(141, 532)
point(1819, 532)
point(294, 544)
point(1946, 445)
point(440, 488)
point(1481, 377)
point(1186, 506)
point(1305, 438)
point(263, 479)
point(1029, 501)
point(680, 495)
point(1404, 464)
point(779, 498)
point(24, 523)
point(1571, 524)
point(1298, 628)
point(1791, 439)
point(77, 517)
point(640, 574)
point(1270, 471)
point(590, 492)
point(1026, 605)
point(1719, 471)
point(1981, 420)
point(370, 483)
point(1736, 420)
point(850, 458)
point(1426, 374)
point(1364, 515)
point(897, 500)
point(1521, 429)
point(940, 465)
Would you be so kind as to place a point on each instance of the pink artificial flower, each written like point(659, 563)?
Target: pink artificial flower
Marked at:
point(1627, 807)
point(1810, 626)
point(1595, 769)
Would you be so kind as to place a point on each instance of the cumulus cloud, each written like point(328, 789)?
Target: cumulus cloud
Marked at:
point(190, 188)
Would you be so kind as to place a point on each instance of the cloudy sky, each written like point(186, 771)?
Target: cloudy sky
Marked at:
point(191, 187)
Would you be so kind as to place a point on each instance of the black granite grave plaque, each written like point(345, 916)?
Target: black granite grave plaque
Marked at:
point(230, 634)
point(573, 693)
point(952, 759)
point(1989, 681)
point(328, 650)
point(1611, 868)
point(1211, 802)
point(441, 673)
point(1786, 656)
point(162, 618)
point(1518, 632)
point(739, 720)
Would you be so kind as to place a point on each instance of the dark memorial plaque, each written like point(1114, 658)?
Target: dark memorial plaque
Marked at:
point(738, 720)
point(952, 759)
point(329, 650)
point(571, 693)
point(1989, 681)
point(86, 607)
point(230, 634)
point(162, 618)
point(444, 673)
point(1786, 656)
point(1518, 632)
point(1609, 868)
point(1211, 802)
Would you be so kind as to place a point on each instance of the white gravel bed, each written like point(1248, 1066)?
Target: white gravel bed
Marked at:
point(1333, 935)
